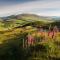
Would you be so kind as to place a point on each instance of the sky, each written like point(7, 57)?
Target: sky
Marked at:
point(39, 7)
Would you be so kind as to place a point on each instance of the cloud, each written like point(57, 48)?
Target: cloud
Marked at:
point(42, 7)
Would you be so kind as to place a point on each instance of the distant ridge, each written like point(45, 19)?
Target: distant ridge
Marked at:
point(22, 20)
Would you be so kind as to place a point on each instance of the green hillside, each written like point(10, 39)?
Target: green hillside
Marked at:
point(22, 20)
point(21, 38)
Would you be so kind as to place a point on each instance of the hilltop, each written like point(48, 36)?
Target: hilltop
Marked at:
point(22, 20)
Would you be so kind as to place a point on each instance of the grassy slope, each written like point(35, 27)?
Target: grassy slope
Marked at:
point(45, 50)
point(21, 20)
point(15, 36)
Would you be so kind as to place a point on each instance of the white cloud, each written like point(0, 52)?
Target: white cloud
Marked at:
point(32, 7)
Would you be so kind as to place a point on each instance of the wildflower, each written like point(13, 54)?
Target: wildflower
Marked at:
point(51, 34)
point(30, 39)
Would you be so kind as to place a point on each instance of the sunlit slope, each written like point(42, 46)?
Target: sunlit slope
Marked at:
point(32, 17)
point(22, 20)
point(15, 33)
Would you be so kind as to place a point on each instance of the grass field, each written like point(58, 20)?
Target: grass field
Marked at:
point(23, 39)
point(42, 47)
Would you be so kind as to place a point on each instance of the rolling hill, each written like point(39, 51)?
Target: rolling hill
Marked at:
point(21, 20)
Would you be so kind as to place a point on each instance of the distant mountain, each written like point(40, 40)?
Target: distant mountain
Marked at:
point(25, 20)
point(21, 16)
point(56, 17)
point(31, 16)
